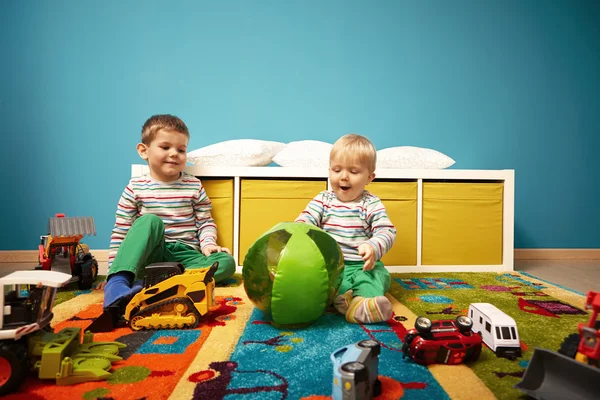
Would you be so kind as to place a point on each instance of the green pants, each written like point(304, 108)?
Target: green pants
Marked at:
point(373, 283)
point(145, 244)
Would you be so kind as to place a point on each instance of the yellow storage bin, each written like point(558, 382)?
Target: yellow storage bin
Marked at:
point(265, 203)
point(462, 223)
point(220, 193)
point(400, 201)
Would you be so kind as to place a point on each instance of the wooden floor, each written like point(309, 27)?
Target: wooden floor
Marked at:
point(579, 275)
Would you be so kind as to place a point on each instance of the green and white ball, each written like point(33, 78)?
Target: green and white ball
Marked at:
point(293, 272)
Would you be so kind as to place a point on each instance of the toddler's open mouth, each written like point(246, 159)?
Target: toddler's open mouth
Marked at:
point(344, 188)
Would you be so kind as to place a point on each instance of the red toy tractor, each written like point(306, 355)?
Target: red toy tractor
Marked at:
point(589, 345)
point(65, 234)
point(585, 345)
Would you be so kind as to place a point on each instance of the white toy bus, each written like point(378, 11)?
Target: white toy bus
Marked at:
point(497, 329)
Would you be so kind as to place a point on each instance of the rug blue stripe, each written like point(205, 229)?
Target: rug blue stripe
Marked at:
point(551, 283)
point(307, 367)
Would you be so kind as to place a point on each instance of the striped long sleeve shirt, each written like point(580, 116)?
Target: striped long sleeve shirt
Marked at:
point(182, 205)
point(352, 224)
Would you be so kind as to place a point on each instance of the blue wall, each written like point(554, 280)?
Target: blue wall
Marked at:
point(493, 84)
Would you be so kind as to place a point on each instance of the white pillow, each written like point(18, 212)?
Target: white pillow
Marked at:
point(410, 157)
point(304, 153)
point(236, 153)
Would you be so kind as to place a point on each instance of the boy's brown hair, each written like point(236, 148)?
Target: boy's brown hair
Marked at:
point(159, 122)
point(353, 147)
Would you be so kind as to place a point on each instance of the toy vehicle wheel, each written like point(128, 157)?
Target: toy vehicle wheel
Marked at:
point(464, 323)
point(85, 283)
point(194, 322)
point(359, 370)
point(423, 325)
point(353, 366)
point(13, 366)
point(370, 344)
point(134, 323)
point(408, 338)
point(569, 346)
point(94, 268)
point(377, 388)
point(87, 269)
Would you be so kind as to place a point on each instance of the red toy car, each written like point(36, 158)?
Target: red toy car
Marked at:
point(442, 342)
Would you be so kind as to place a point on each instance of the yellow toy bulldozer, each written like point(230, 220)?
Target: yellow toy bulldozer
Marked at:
point(172, 298)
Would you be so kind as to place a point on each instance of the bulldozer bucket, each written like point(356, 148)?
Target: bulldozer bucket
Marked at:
point(71, 226)
point(108, 320)
point(551, 375)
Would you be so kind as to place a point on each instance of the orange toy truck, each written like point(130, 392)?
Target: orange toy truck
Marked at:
point(65, 234)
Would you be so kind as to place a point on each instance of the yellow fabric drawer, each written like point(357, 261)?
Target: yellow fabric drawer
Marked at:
point(462, 223)
point(282, 189)
point(265, 203)
point(220, 193)
point(400, 201)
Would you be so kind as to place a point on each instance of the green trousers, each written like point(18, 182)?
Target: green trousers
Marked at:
point(145, 244)
point(373, 283)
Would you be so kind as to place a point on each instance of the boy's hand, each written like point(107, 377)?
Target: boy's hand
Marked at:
point(367, 252)
point(101, 285)
point(213, 248)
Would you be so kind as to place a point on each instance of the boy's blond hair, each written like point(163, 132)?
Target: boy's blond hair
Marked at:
point(159, 122)
point(353, 147)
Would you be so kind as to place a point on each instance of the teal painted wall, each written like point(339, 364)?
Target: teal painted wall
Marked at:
point(493, 84)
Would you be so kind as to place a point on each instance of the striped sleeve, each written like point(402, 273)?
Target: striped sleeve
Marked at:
point(127, 212)
point(313, 213)
point(382, 229)
point(207, 229)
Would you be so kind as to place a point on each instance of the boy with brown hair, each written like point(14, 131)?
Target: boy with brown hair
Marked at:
point(164, 215)
point(358, 221)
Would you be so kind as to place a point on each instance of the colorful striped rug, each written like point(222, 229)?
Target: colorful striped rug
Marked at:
point(236, 353)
